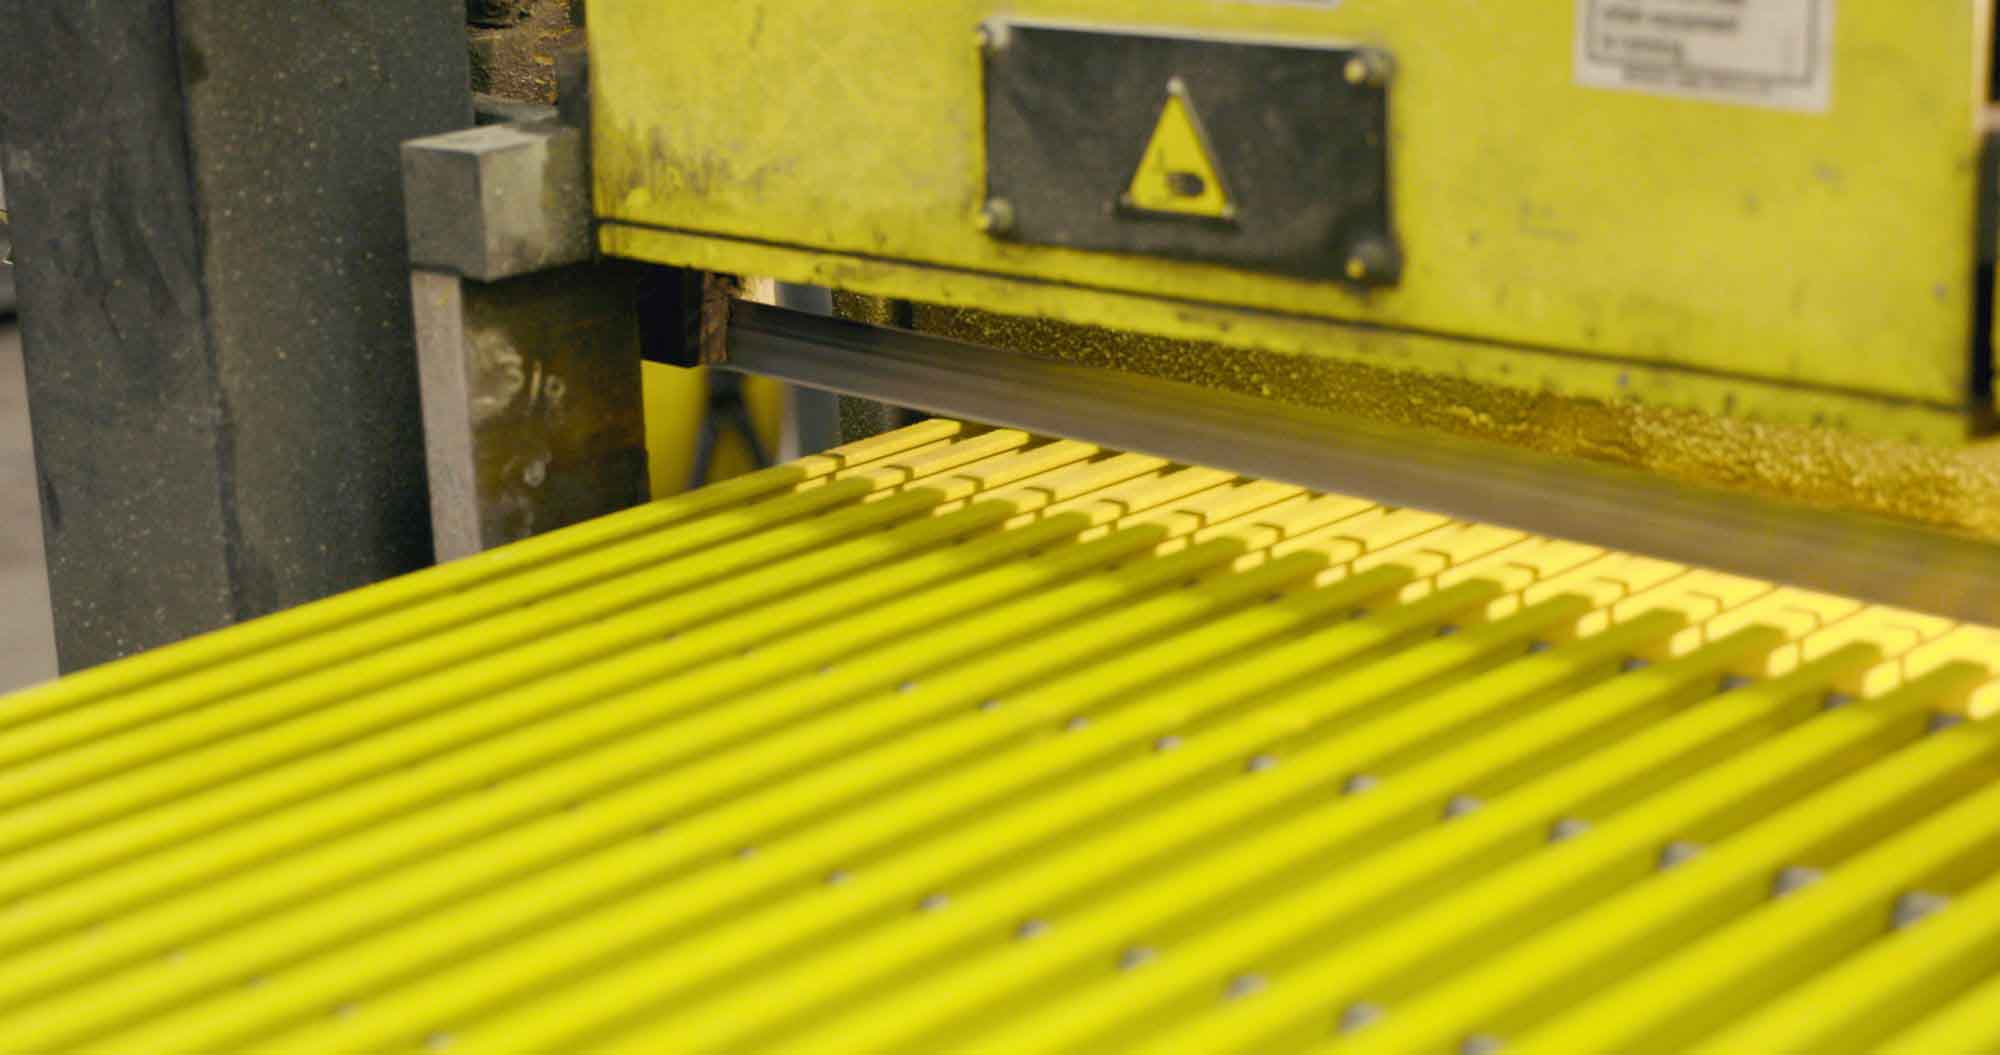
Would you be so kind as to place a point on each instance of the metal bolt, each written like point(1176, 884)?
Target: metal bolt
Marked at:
point(1941, 721)
point(1033, 928)
point(1536, 648)
point(1632, 664)
point(1359, 783)
point(1135, 957)
point(1262, 763)
point(838, 876)
point(989, 705)
point(1460, 805)
point(1836, 700)
point(438, 1041)
point(1077, 724)
point(996, 217)
point(934, 902)
point(1166, 743)
point(1372, 68)
point(1737, 681)
point(995, 37)
point(745, 853)
point(1368, 259)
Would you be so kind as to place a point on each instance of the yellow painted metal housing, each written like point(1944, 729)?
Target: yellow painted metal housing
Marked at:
point(1775, 265)
point(969, 740)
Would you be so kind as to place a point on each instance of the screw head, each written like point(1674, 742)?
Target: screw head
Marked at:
point(995, 37)
point(1370, 260)
point(1369, 68)
point(996, 217)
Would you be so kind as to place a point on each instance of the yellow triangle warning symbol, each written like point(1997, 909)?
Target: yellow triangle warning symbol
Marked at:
point(1178, 174)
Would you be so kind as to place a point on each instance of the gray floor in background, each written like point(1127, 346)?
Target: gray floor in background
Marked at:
point(27, 642)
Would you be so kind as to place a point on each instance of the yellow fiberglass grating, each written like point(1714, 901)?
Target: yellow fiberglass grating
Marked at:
point(963, 740)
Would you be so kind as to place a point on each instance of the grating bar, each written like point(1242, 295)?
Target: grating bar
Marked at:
point(968, 739)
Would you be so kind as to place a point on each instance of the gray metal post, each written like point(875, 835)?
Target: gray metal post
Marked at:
point(6, 257)
point(532, 404)
point(813, 423)
point(530, 352)
point(215, 299)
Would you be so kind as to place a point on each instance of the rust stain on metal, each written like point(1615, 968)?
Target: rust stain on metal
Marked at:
point(717, 292)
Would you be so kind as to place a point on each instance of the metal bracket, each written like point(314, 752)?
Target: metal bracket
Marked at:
point(1881, 560)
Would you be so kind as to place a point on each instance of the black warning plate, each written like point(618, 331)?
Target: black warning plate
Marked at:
point(1260, 155)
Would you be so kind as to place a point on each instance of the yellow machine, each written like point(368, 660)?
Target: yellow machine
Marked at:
point(1450, 527)
point(1734, 243)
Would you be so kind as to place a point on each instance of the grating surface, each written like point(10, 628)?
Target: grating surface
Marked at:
point(974, 741)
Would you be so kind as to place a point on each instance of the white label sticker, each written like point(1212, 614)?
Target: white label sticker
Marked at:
point(1776, 53)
